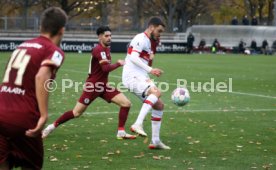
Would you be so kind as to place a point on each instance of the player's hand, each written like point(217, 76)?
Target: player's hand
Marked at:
point(121, 62)
point(151, 56)
point(37, 130)
point(156, 72)
point(33, 132)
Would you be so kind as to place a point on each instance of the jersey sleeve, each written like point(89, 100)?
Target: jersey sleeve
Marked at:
point(109, 67)
point(135, 59)
point(101, 56)
point(105, 64)
point(54, 59)
point(138, 45)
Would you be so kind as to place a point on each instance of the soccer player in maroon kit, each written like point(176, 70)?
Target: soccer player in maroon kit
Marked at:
point(154, 43)
point(23, 97)
point(97, 86)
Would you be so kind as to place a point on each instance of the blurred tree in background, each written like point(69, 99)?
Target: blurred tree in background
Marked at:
point(132, 15)
point(262, 9)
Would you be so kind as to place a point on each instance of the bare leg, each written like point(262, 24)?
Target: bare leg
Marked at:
point(124, 104)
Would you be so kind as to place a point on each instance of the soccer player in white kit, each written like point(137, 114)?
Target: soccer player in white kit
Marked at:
point(136, 78)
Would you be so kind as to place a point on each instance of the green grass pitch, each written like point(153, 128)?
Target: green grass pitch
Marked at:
point(230, 130)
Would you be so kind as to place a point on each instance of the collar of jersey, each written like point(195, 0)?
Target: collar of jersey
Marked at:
point(146, 35)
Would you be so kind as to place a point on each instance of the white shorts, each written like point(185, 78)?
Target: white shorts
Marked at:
point(139, 85)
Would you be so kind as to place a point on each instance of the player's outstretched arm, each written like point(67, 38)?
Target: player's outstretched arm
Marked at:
point(134, 58)
point(110, 67)
point(42, 95)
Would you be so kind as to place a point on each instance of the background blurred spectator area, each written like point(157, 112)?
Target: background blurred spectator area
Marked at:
point(257, 39)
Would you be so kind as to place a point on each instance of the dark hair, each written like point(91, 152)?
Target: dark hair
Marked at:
point(156, 21)
point(52, 20)
point(102, 29)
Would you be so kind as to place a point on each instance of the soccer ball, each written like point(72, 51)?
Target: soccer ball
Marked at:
point(180, 96)
point(247, 52)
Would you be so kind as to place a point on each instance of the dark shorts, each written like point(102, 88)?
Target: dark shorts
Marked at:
point(105, 92)
point(19, 150)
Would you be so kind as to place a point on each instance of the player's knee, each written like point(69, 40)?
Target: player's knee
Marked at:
point(155, 91)
point(77, 113)
point(126, 103)
point(159, 105)
point(162, 106)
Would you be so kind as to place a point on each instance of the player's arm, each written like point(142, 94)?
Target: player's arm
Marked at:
point(134, 58)
point(107, 67)
point(105, 64)
point(44, 74)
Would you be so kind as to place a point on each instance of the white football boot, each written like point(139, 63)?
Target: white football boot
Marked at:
point(123, 135)
point(159, 145)
point(49, 129)
point(138, 129)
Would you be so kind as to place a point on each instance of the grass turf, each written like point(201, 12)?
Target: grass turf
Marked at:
point(232, 130)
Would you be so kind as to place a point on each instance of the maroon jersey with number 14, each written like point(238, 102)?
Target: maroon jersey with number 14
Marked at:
point(18, 103)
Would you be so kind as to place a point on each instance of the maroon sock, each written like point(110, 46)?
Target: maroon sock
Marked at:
point(64, 118)
point(123, 117)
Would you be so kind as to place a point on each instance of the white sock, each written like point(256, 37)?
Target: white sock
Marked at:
point(156, 125)
point(148, 103)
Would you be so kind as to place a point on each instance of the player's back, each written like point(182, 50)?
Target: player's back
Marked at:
point(140, 43)
point(18, 103)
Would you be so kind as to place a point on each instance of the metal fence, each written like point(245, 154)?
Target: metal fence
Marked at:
point(17, 23)
point(32, 23)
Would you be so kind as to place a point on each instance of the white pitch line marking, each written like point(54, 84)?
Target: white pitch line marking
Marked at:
point(186, 111)
point(252, 94)
point(241, 93)
point(193, 111)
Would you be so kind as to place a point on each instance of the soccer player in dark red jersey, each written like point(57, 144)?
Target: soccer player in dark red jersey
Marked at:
point(154, 43)
point(97, 86)
point(23, 97)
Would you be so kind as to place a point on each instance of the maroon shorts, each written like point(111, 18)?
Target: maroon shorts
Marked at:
point(105, 92)
point(19, 150)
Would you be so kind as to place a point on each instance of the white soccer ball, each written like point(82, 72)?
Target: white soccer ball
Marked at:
point(247, 52)
point(180, 96)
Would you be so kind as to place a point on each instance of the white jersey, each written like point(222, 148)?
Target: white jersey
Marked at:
point(135, 72)
point(141, 44)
